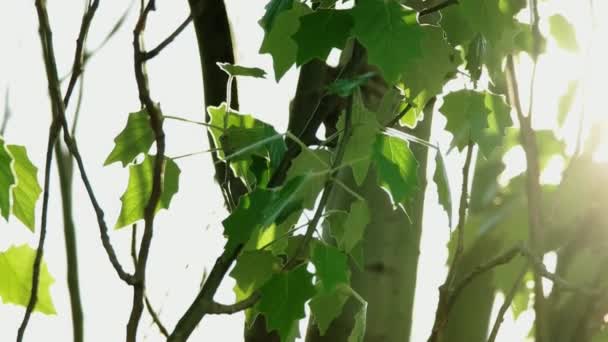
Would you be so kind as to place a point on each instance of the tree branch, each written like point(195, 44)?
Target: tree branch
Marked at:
point(533, 190)
point(437, 8)
point(446, 297)
point(156, 123)
point(53, 134)
point(505, 306)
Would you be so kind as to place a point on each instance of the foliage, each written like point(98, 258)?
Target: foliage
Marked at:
point(395, 60)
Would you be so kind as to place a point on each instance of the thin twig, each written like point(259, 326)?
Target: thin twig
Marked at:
point(507, 303)
point(327, 189)
point(156, 123)
point(446, 291)
point(399, 116)
point(77, 65)
point(438, 7)
point(154, 52)
point(533, 190)
point(53, 134)
point(155, 316)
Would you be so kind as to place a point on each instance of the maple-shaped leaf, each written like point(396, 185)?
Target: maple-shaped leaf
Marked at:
point(273, 9)
point(16, 266)
point(467, 116)
point(278, 42)
point(245, 138)
point(331, 266)
point(327, 306)
point(390, 35)
point(27, 190)
point(320, 31)
point(499, 119)
point(396, 167)
point(251, 271)
point(239, 70)
point(364, 128)
point(428, 71)
point(349, 228)
point(260, 209)
point(139, 188)
point(563, 32)
point(7, 180)
point(283, 298)
point(309, 162)
point(137, 137)
point(443, 186)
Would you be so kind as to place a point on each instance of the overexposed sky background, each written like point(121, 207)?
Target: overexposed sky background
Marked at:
point(188, 237)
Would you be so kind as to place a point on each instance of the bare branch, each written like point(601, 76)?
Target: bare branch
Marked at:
point(438, 7)
point(7, 111)
point(215, 308)
point(154, 52)
point(446, 296)
point(156, 123)
point(505, 306)
point(53, 134)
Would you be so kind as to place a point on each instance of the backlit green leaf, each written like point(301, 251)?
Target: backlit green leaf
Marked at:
point(566, 101)
point(273, 9)
point(326, 307)
point(319, 32)
point(137, 137)
point(443, 186)
point(283, 298)
point(278, 42)
point(260, 209)
point(239, 70)
point(7, 179)
point(16, 265)
point(308, 162)
point(27, 190)
point(349, 229)
point(139, 188)
point(391, 36)
point(330, 265)
point(563, 32)
point(467, 116)
point(396, 166)
point(358, 332)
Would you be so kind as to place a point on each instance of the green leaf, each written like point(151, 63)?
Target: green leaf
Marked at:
point(498, 121)
point(566, 101)
point(139, 188)
point(319, 32)
point(239, 70)
point(252, 270)
point(273, 9)
point(349, 230)
point(443, 186)
point(345, 87)
point(260, 209)
point(283, 298)
point(390, 35)
point(245, 138)
point(326, 307)
point(278, 41)
point(331, 266)
point(427, 72)
point(466, 116)
point(308, 162)
point(27, 190)
point(365, 127)
point(137, 137)
point(16, 266)
point(475, 56)
point(563, 32)
point(358, 332)
point(397, 167)
point(7, 179)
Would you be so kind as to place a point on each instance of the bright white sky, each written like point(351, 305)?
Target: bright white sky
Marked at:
point(188, 238)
